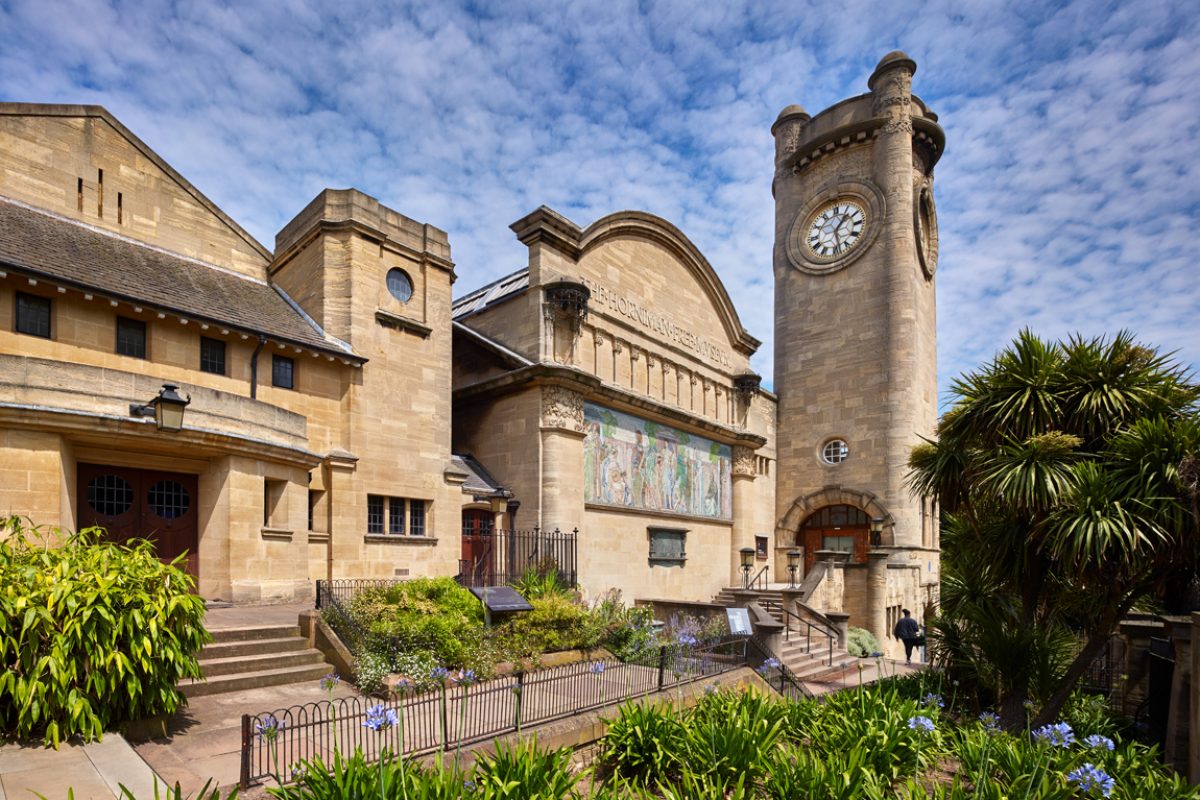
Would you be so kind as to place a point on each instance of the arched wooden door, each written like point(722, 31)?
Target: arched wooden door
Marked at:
point(141, 504)
point(838, 527)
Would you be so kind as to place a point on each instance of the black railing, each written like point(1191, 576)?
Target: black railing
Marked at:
point(496, 557)
point(799, 626)
point(344, 590)
point(773, 670)
point(447, 717)
point(759, 581)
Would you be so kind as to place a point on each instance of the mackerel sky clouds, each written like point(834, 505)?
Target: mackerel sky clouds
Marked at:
point(1068, 197)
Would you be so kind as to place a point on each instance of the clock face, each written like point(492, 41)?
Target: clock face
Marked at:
point(835, 229)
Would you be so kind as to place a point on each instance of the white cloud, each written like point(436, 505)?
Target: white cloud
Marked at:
point(1068, 194)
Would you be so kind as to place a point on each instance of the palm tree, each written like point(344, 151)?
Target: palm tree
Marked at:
point(1067, 472)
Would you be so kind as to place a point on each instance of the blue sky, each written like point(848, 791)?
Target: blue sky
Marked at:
point(1068, 197)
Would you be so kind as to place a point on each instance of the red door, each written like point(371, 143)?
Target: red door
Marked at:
point(142, 504)
point(478, 559)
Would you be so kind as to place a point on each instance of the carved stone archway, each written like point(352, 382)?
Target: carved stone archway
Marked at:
point(803, 507)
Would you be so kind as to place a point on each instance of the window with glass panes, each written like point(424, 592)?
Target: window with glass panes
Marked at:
point(212, 355)
point(283, 372)
point(33, 315)
point(131, 337)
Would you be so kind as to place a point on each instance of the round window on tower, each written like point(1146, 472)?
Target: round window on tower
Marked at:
point(399, 284)
point(835, 451)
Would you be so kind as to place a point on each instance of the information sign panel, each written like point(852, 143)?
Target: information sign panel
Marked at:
point(500, 598)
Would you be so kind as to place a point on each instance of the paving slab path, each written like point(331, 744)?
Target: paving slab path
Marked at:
point(94, 771)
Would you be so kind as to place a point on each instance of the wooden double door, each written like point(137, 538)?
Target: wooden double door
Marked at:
point(142, 504)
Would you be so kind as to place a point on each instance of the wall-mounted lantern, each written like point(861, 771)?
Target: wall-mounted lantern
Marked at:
point(167, 408)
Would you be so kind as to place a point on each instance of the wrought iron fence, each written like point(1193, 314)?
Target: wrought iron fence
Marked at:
point(498, 557)
point(344, 590)
point(449, 716)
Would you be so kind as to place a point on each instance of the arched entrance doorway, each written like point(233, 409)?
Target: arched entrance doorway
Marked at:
point(835, 527)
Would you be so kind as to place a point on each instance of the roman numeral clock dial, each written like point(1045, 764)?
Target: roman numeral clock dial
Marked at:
point(835, 229)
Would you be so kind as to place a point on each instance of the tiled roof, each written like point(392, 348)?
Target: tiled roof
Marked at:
point(80, 256)
point(493, 293)
point(479, 480)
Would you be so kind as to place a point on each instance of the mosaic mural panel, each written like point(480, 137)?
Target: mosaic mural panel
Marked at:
point(634, 463)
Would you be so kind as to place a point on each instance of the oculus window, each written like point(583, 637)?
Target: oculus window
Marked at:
point(399, 285)
point(835, 451)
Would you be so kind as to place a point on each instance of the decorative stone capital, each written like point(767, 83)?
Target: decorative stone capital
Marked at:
point(562, 408)
point(744, 462)
point(634, 353)
point(617, 346)
point(666, 365)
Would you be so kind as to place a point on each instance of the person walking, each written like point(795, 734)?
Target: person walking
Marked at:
point(908, 631)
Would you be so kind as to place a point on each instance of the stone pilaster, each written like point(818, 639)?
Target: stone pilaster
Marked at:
point(562, 435)
point(743, 497)
point(876, 621)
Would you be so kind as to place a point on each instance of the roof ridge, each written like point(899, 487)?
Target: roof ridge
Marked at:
point(130, 240)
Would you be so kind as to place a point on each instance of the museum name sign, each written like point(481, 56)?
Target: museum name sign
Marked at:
point(657, 322)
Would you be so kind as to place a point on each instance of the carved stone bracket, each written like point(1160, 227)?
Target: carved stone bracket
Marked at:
point(562, 408)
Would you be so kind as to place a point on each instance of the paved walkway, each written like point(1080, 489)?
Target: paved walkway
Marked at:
point(859, 671)
point(94, 771)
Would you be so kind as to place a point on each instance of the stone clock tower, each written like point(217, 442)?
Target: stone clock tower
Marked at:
point(855, 341)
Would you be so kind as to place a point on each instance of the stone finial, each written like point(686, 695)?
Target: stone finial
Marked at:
point(786, 130)
point(897, 59)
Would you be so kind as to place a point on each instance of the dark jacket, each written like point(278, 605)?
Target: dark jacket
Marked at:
point(907, 628)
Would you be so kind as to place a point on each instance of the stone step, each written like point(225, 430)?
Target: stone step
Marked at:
point(236, 665)
point(253, 680)
point(252, 647)
point(222, 635)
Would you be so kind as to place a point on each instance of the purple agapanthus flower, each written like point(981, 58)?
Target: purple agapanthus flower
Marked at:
point(1096, 741)
point(380, 718)
point(1056, 735)
point(932, 699)
point(1091, 778)
point(268, 727)
point(330, 681)
point(921, 724)
point(990, 721)
point(597, 668)
point(465, 677)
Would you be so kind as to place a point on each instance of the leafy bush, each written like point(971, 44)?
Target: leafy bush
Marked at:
point(861, 642)
point(541, 580)
point(644, 744)
point(557, 622)
point(92, 634)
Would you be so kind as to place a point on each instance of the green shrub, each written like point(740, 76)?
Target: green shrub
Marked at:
point(557, 622)
point(92, 634)
point(541, 580)
point(861, 642)
point(523, 772)
point(645, 744)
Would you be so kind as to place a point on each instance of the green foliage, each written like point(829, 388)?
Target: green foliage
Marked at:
point(1063, 470)
point(861, 642)
point(541, 580)
point(523, 772)
point(557, 622)
point(92, 634)
point(209, 791)
point(647, 742)
point(628, 633)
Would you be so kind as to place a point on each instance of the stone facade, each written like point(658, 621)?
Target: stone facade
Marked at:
point(605, 388)
point(855, 352)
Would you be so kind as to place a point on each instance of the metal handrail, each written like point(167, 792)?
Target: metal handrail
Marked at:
point(759, 656)
point(828, 631)
point(759, 581)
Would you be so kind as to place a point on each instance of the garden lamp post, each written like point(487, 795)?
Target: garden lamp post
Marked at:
point(793, 566)
point(167, 408)
point(747, 562)
point(876, 531)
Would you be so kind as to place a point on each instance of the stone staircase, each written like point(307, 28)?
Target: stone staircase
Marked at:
point(253, 657)
point(808, 657)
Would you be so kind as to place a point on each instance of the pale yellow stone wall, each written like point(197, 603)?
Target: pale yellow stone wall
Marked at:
point(45, 151)
point(33, 483)
point(614, 552)
point(503, 433)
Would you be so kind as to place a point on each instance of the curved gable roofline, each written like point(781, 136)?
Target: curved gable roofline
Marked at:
point(658, 230)
point(102, 113)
